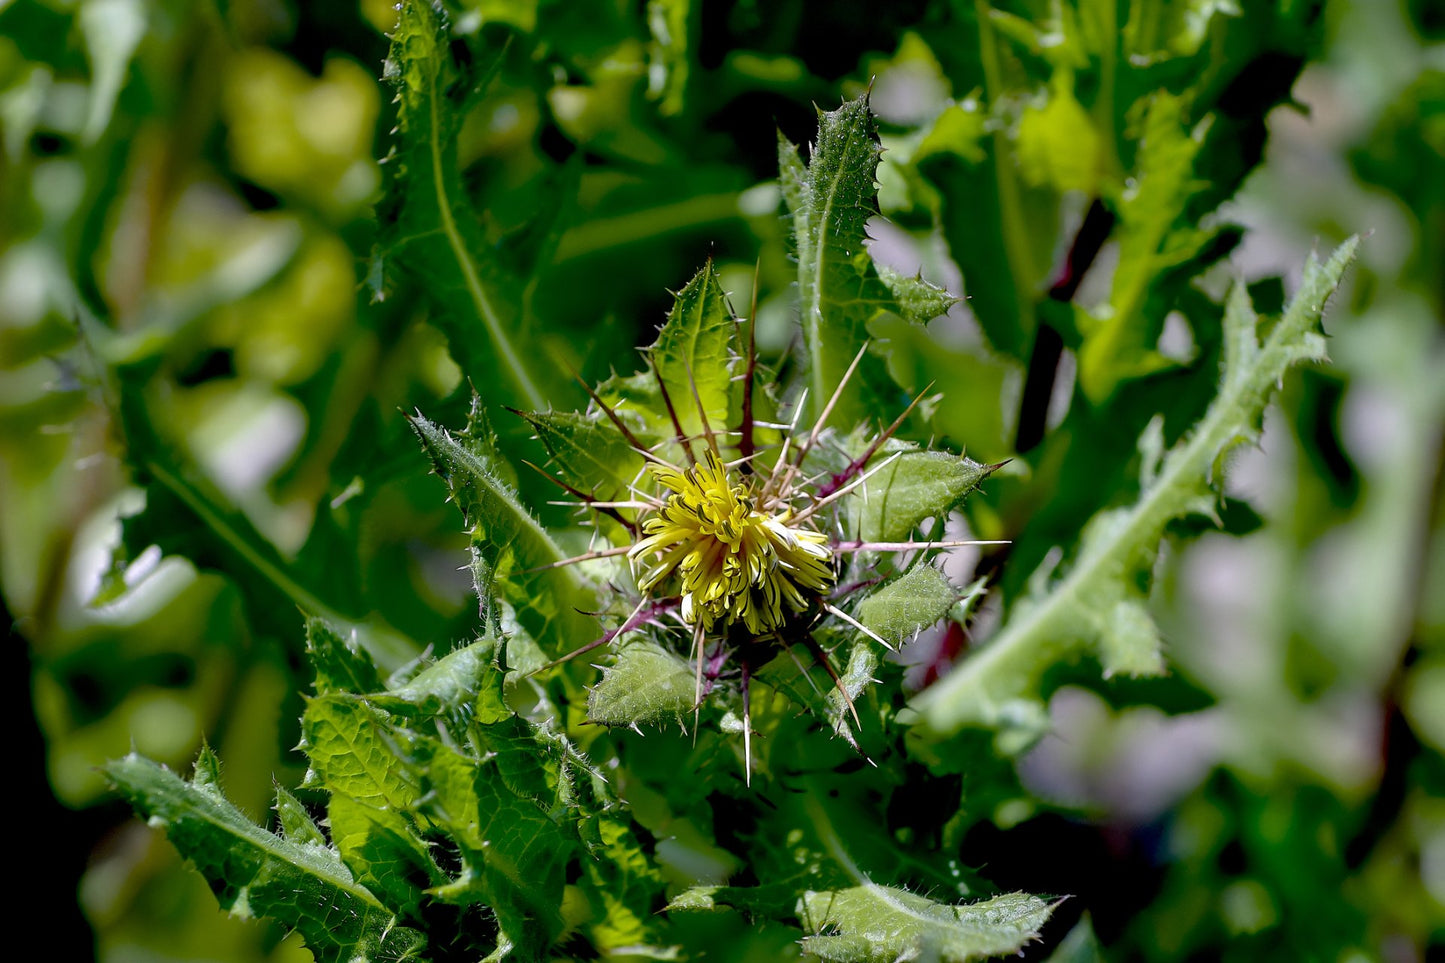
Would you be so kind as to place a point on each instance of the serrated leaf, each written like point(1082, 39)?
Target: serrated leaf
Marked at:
point(467, 679)
point(383, 852)
point(1153, 235)
point(881, 924)
point(296, 823)
point(919, 301)
point(589, 452)
point(830, 199)
point(510, 547)
point(915, 600)
point(691, 351)
point(647, 683)
point(338, 662)
point(254, 873)
point(513, 853)
point(913, 486)
point(1101, 592)
point(623, 883)
point(353, 751)
point(428, 226)
point(856, 676)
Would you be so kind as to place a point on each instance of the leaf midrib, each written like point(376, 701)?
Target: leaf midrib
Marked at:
point(455, 242)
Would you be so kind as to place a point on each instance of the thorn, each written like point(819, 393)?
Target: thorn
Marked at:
point(637, 446)
point(747, 729)
point(575, 493)
point(671, 411)
point(862, 460)
point(821, 658)
point(701, 411)
point(911, 546)
point(745, 443)
point(823, 416)
point(859, 626)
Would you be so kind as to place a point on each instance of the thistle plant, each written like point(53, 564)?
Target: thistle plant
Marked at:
point(735, 543)
point(743, 545)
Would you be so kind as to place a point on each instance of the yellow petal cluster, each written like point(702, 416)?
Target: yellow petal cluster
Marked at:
point(730, 561)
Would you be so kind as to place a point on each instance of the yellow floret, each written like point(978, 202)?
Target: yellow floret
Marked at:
point(730, 561)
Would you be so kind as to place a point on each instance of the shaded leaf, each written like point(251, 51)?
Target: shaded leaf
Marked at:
point(252, 872)
point(338, 662)
point(428, 226)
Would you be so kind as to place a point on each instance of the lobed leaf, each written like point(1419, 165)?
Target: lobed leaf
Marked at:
point(1154, 235)
point(252, 872)
point(881, 924)
point(830, 199)
point(1099, 604)
point(428, 226)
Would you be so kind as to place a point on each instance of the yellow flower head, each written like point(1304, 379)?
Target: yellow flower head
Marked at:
point(729, 560)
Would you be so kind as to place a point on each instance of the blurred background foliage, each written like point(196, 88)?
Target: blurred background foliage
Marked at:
point(204, 312)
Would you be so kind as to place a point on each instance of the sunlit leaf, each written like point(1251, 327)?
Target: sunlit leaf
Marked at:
point(252, 872)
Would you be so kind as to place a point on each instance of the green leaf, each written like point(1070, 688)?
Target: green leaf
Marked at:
point(296, 823)
point(186, 515)
point(383, 852)
point(910, 603)
point(830, 199)
point(919, 301)
point(113, 29)
point(971, 384)
point(881, 924)
point(590, 453)
point(1080, 946)
point(1058, 146)
point(856, 676)
point(1099, 604)
point(352, 749)
point(623, 885)
point(468, 679)
point(509, 545)
point(913, 486)
point(668, 60)
point(513, 853)
point(254, 873)
point(1154, 236)
point(428, 226)
point(691, 351)
point(647, 683)
point(338, 662)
